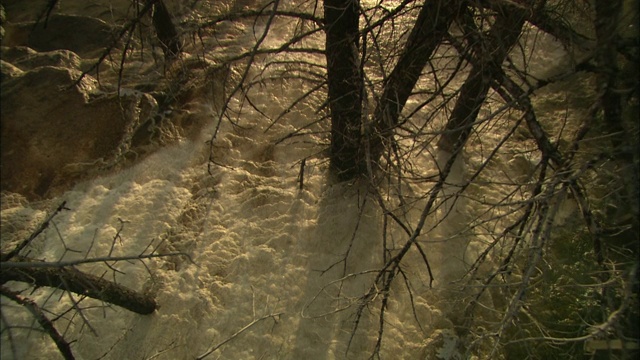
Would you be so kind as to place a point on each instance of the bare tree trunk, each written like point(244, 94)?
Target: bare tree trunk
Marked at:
point(431, 26)
point(75, 281)
point(345, 87)
point(166, 30)
point(607, 20)
point(503, 36)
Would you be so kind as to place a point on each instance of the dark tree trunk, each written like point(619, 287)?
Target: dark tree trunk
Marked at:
point(431, 26)
point(346, 86)
point(166, 30)
point(75, 281)
point(607, 21)
point(502, 37)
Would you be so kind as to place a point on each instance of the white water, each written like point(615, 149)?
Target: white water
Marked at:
point(260, 247)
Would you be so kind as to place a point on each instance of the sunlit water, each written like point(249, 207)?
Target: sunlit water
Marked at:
point(260, 246)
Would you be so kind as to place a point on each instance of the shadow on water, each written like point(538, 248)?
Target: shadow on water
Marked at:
point(346, 241)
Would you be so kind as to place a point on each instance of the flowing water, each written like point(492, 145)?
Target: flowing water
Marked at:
point(296, 260)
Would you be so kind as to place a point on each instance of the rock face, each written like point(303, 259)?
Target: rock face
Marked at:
point(8, 71)
point(26, 58)
point(53, 130)
point(56, 131)
point(85, 36)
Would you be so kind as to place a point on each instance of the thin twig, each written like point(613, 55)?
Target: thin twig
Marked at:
point(39, 230)
point(243, 329)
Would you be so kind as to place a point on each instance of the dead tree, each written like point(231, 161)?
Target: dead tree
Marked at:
point(346, 86)
point(448, 60)
point(165, 30)
point(490, 54)
point(63, 275)
point(430, 27)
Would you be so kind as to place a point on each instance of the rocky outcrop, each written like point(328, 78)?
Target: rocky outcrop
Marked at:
point(26, 58)
point(56, 132)
point(8, 71)
point(85, 36)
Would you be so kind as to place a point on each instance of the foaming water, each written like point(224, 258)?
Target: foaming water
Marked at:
point(261, 246)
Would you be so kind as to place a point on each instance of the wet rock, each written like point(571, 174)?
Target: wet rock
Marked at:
point(86, 36)
point(521, 168)
point(442, 344)
point(12, 54)
point(54, 132)
point(109, 11)
point(8, 71)
point(26, 58)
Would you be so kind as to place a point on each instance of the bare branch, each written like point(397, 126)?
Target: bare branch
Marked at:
point(47, 325)
point(70, 279)
point(243, 329)
point(38, 231)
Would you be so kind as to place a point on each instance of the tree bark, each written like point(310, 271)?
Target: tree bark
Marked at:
point(431, 26)
point(502, 37)
point(607, 20)
point(346, 88)
point(166, 30)
point(73, 280)
point(545, 19)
